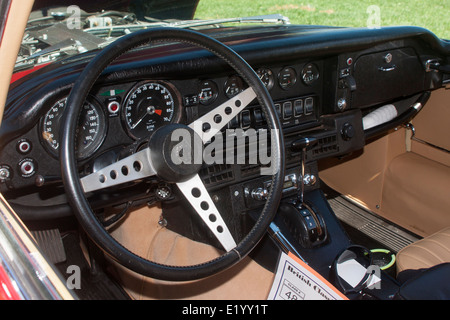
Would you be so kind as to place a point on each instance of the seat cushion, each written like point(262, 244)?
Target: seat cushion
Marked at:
point(430, 284)
point(425, 253)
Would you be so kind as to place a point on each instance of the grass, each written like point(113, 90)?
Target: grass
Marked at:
point(431, 14)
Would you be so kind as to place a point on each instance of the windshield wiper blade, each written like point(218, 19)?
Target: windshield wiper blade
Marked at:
point(269, 18)
point(112, 31)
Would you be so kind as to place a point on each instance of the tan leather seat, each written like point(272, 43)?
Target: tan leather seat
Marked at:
point(425, 253)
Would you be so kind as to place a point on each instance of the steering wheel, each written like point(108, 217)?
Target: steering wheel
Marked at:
point(156, 159)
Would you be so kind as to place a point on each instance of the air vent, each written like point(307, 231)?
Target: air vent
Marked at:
point(326, 145)
point(217, 173)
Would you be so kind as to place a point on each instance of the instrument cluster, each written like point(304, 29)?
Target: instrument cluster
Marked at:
point(145, 106)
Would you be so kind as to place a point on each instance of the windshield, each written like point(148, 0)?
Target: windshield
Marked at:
point(432, 14)
point(57, 29)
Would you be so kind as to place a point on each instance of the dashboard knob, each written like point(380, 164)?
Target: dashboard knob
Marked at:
point(259, 194)
point(342, 103)
point(27, 168)
point(348, 131)
point(5, 173)
point(309, 179)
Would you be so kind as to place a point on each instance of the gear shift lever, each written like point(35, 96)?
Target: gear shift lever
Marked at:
point(304, 224)
point(302, 144)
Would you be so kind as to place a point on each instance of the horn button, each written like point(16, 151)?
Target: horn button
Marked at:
point(176, 152)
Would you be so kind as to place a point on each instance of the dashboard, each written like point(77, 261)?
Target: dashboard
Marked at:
point(323, 81)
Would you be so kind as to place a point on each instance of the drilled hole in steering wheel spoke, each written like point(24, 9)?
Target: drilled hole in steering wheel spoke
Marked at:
point(206, 127)
point(196, 192)
point(228, 111)
point(204, 205)
point(137, 166)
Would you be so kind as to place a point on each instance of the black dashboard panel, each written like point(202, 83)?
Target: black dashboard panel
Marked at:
point(322, 82)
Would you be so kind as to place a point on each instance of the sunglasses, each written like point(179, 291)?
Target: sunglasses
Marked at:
point(352, 270)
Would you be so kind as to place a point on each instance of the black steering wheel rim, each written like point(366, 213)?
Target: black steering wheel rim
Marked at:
point(71, 179)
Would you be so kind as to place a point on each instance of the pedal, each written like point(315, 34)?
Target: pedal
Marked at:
point(51, 245)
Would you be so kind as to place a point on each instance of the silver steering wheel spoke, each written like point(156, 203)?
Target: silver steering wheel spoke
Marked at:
point(195, 192)
point(211, 123)
point(132, 168)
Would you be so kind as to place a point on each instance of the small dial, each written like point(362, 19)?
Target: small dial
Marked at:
point(310, 73)
point(208, 92)
point(287, 78)
point(233, 86)
point(148, 106)
point(266, 76)
point(91, 128)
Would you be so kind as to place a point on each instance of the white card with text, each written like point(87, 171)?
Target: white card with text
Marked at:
point(295, 280)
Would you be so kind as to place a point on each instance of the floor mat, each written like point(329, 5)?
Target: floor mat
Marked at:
point(91, 285)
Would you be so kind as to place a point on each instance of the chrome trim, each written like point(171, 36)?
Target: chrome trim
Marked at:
point(413, 137)
point(387, 69)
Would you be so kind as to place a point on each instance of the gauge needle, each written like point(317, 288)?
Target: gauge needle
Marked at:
point(139, 121)
point(150, 110)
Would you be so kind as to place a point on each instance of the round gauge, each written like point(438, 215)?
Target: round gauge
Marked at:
point(310, 73)
point(233, 86)
point(91, 128)
point(266, 76)
point(208, 92)
point(148, 106)
point(287, 78)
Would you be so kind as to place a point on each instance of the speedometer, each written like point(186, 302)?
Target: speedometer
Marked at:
point(91, 128)
point(148, 106)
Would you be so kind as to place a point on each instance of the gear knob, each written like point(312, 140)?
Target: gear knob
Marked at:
point(303, 143)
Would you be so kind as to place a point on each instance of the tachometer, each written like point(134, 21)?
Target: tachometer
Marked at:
point(91, 128)
point(148, 106)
